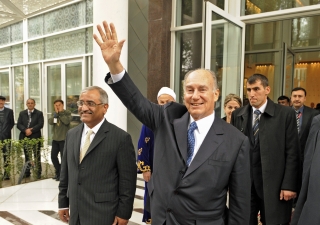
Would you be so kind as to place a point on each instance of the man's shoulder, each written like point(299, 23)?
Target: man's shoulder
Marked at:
point(312, 112)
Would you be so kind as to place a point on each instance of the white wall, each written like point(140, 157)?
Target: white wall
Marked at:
point(117, 13)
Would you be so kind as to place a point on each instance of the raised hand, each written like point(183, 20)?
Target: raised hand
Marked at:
point(110, 47)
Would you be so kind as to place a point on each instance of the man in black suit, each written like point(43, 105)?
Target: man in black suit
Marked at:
point(98, 170)
point(307, 208)
point(6, 124)
point(198, 157)
point(274, 152)
point(30, 123)
point(304, 116)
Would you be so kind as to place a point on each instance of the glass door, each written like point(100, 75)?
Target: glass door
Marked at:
point(63, 81)
point(223, 49)
point(288, 70)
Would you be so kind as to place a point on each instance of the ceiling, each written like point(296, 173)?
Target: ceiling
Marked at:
point(12, 11)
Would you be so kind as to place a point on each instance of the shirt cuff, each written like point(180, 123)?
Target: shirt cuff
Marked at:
point(117, 77)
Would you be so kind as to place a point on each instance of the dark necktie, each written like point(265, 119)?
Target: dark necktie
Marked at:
point(298, 115)
point(29, 121)
point(255, 127)
point(191, 141)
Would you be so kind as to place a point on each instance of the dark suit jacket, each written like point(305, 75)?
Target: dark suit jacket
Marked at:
point(279, 147)
point(103, 185)
point(36, 123)
point(307, 208)
point(194, 195)
point(8, 123)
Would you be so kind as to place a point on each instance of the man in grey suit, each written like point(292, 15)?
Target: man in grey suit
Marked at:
point(274, 152)
point(197, 157)
point(98, 170)
point(6, 124)
point(307, 208)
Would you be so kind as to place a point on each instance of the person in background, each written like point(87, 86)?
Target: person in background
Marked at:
point(231, 102)
point(318, 107)
point(30, 123)
point(98, 171)
point(274, 153)
point(284, 100)
point(304, 116)
point(60, 120)
point(6, 124)
point(145, 151)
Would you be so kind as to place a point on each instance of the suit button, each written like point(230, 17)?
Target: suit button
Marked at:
point(82, 167)
point(176, 192)
point(79, 183)
point(168, 210)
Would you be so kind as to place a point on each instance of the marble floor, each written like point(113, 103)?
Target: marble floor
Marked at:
point(36, 203)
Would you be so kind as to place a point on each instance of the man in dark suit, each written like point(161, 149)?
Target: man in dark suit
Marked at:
point(307, 208)
point(274, 152)
point(304, 116)
point(30, 123)
point(98, 171)
point(6, 124)
point(198, 157)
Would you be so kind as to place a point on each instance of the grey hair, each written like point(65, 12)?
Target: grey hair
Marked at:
point(215, 83)
point(103, 94)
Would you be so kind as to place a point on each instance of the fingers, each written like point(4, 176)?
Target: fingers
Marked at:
point(107, 30)
point(115, 221)
point(64, 215)
point(114, 32)
point(281, 195)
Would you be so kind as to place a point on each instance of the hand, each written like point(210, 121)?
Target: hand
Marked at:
point(119, 221)
point(110, 47)
point(28, 132)
point(64, 215)
point(146, 176)
point(287, 195)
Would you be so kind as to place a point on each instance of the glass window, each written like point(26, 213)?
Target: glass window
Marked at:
point(16, 32)
point(190, 11)
point(4, 87)
point(5, 56)
point(36, 50)
point(250, 7)
point(73, 88)
point(5, 36)
point(34, 83)
point(188, 57)
point(35, 26)
point(17, 54)
point(263, 36)
point(267, 64)
point(18, 90)
point(54, 85)
point(305, 31)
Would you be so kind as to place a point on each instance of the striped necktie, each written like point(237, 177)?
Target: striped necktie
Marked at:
point(255, 127)
point(29, 121)
point(298, 115)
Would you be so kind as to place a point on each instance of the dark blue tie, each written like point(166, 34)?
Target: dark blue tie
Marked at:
point(191, 141)
point(255, 127)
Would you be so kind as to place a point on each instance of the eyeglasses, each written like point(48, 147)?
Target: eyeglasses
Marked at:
point(89, 104)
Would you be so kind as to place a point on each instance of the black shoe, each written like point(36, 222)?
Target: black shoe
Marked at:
point(55, 177)
point(27, 175)
point(58, 178)
point(6, 178)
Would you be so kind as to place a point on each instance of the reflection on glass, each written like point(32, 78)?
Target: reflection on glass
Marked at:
point(73, 88)
point(54, 85)
point(267, 64)
point(34, 83)
point(263, 36)
point(4, 87)
point(189, 44)
point(306, 75)
point(305, 31)
point(190, 11)
point(18, 90)
point(288, 78)
point(250, 7)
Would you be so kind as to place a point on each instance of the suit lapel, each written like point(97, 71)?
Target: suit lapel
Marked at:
point(98, 137)
point(208, 146)
point(77, 142)
point(180, 129)
point(305, 117)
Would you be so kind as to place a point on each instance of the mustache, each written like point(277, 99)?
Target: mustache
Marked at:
point(85, 112)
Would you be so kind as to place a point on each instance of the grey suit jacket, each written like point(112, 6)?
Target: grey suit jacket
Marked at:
point(194, 195)
point(103, 185)
point(307, 208)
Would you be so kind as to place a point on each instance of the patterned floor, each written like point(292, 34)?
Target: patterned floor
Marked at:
point(36, 203)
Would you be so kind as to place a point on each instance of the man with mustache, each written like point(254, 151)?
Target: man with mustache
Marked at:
point(98, 170)
point(304, 116)
point(274, 148)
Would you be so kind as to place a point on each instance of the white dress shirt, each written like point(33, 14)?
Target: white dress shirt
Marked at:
point(261, 109)
point(95, 130)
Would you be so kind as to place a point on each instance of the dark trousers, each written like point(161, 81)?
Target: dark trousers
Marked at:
point(57, 146)
point(37, 159)
point(257, 204)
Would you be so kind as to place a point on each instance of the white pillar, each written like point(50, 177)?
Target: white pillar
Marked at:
point(117, 13)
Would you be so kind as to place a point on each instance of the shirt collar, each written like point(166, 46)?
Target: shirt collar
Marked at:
point(95, 128)
point(262, 108)
point(300, 109)
point(203, 123)
point(2, 109)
